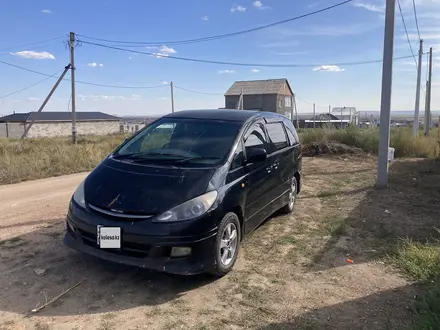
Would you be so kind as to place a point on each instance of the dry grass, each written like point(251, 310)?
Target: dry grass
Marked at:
point(368, 140)
point(41, 158)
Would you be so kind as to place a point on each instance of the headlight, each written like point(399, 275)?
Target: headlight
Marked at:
point(191, 209)
point(78, 196)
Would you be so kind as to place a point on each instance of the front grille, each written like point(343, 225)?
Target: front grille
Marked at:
point(130, 249)
point(127, 216)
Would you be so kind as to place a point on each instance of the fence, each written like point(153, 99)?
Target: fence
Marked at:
point(11, 130)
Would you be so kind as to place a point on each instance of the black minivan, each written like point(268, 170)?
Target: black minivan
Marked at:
point(181, 194)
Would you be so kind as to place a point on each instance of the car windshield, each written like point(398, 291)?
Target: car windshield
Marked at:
point(181, 141)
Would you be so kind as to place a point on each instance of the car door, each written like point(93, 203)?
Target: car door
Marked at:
point(280, 154)
point(260, 185)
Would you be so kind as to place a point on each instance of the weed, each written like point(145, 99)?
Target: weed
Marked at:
point(419, 261)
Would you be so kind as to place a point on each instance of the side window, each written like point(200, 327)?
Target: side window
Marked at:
point(292, 138)
point(277, 135)
point(238, 159)
point(257, 139)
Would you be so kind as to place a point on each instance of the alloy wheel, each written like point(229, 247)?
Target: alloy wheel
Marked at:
point(228, 244)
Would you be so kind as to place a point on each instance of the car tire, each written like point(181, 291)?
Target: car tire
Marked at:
point(227, 245)
point(289, 207)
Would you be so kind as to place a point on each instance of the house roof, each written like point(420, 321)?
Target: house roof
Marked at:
point(252, 87)
point(50, 116)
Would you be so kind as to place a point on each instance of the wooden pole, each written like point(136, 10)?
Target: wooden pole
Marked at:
point(45, 101)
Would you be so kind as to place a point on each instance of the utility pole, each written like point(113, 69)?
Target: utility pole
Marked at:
point(72, 68)
point(314, 115)
point(296, 112)
point(428, 95)
point(329, 111)
point(341, 116)
point(385, 106)
point(172, 96)
point(417, 106)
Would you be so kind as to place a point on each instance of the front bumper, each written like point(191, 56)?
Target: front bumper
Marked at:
point(140, 249)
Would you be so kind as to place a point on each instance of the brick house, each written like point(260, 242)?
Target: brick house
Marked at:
point(57, 123)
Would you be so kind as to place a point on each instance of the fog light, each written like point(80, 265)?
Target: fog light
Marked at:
point(180, 251)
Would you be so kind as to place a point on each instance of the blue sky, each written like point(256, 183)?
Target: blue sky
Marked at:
point(350, 33)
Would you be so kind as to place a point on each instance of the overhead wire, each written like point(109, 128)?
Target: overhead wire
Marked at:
point(196, 92)
point(415, 16)
point(220, 36)
point(30, 86)
point(406, 32)
point(79, 81)
point(30, 44)
point(237, 63)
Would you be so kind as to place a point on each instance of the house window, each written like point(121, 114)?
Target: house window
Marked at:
point(288, 101)
point(280, 103)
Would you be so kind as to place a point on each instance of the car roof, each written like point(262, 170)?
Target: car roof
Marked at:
point(222, 114)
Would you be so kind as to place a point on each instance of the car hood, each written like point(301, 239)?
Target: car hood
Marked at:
point(133, 188)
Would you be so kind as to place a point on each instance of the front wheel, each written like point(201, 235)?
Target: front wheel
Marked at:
point(288, 208)
point(227, 244)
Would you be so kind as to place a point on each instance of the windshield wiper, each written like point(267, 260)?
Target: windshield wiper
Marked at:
point(197, 158)
point(145, 155)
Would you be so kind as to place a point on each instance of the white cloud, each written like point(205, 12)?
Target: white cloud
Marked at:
point(167, 50)
point(130, 58)
point(162, 98)
point(160, 55)
point(164, 82)
point(46, 11)
point(238, 8)
point(225, 71)
point(95, 65)
point(34, 99)
point(329, 68)
point(255, 70)
point(370, 7)
point(205, 18)
point(34, 55)
point(164, 51)
point(258, 4)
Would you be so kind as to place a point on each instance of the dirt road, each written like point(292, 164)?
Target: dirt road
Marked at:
point(292, 272)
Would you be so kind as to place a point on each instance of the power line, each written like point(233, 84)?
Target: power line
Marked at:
point(30, 44)
point(221, 36)
point(25, 88)
point(415, 16)
point(197, 92)
point(236, 63)
point(406, 32)
point(81, 82)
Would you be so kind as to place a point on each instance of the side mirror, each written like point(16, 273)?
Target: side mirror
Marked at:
point(257, 155)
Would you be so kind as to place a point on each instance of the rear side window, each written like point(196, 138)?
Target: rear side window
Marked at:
point(277, 135)
point(292, 139)
point(257, 139)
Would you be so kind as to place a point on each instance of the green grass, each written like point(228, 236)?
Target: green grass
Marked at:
point(421, 262)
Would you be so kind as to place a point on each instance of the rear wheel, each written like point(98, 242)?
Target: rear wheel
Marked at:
point(227, 244)
point(288, 208)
